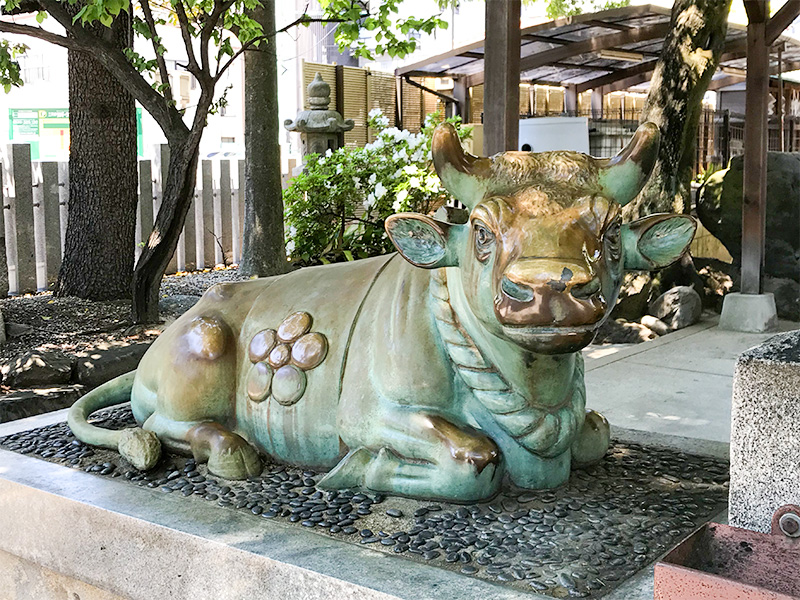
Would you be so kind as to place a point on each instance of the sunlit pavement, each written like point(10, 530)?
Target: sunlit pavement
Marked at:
point(679, 384)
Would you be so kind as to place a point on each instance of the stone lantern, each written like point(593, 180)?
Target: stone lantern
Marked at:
point(319, 127)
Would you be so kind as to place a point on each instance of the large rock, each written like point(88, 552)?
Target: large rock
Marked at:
point(103, 365)
point(678, 308)
point(787, 297)
point(38, 368)
point(765, 432)
point(619, 331)
point(27, 403)
point(719, 206)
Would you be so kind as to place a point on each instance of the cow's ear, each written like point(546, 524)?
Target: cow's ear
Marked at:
point(656, 241)
point(422, 241)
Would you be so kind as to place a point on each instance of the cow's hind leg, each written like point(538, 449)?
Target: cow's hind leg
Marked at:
point(424, 456)
point(228, 454)
point(195, 397)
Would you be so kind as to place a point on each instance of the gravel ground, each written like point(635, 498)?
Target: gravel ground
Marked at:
point(74, 325)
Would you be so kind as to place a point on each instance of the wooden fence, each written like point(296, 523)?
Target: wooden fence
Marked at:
point(36, 205)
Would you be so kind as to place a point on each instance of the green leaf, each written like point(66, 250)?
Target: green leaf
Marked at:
point(41, 16)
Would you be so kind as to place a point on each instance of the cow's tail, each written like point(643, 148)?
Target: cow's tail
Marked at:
point(140, 447)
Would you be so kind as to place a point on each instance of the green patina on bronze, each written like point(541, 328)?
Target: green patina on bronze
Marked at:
point(433, 376)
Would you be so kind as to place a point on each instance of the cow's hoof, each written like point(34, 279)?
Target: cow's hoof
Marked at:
point(593, 440)
point(235, 460)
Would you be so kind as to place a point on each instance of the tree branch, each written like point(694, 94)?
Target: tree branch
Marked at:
point(183, 21)
point(167, 117)
point(162, 65)
point(304, 18)
point(39, 33)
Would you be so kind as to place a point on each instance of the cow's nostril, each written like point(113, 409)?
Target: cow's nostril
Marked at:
point(586, 290)
point(515, 291)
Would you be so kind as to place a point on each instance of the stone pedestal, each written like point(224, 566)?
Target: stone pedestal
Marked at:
point(752, 313)
point(765, 432)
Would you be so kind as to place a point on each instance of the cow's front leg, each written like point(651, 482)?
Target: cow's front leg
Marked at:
point(424, 455)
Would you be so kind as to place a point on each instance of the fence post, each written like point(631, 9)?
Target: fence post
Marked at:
point(189, 237)
point(162, 163)
point(63, 200)
point(144, 212)
point(4, 268)
point(209, 242)
point(225, 213)
point(237, 197)
point(40, 259)
point(52, 220)
point(19, 222)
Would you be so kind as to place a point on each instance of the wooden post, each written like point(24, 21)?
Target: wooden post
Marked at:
point(461, 93)
point(501, 68)
point(571, 100)
point(755, 158)
point(63, 200)
point(597, 103)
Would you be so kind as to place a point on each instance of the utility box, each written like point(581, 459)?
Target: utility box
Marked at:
point(542, 134)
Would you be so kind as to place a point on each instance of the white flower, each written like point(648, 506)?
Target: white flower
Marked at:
point(396, 205)
point(321, 160)
point(292, 231)
point(357, 183)
point(383, 122)
point(401, 196)
point(372, 179)
point(374, 113)
point(289, 248)
point(414, 182)
point(400, 154)
point(419, 155)
point(338, 169)
point(328, 153)
point(369, 201)
point(380, 190)
point(411, 169)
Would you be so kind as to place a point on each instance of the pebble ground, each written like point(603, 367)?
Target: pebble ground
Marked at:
point(580, 540)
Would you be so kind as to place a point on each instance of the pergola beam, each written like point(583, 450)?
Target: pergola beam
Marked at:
point(781, 20)
point(603, 42)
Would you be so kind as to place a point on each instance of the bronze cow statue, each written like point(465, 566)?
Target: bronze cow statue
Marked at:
point(432, 376)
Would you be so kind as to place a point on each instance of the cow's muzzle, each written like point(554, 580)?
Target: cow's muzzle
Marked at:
point(550, 294)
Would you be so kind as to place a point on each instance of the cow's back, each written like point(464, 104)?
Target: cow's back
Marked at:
point(303, 430)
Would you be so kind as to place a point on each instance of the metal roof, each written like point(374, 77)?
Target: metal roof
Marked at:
point(580, 50)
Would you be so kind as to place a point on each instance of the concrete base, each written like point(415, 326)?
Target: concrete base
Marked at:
point(765, 432)
point(752, 313)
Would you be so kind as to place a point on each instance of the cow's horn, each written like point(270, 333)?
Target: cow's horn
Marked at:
point(624, 176)
point(465, 176)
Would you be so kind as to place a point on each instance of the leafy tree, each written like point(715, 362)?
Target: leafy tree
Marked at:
point(214, 33)
point(565, 8)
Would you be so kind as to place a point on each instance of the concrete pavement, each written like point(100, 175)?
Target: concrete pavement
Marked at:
point(679, 384)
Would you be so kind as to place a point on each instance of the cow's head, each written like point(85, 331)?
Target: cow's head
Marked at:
point(543, 253)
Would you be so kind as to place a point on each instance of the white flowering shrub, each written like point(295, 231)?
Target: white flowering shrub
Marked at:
point(336, 208)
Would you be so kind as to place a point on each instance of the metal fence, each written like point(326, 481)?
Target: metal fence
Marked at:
point(36, 205)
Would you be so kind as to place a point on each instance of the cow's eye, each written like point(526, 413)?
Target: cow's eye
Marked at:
point(484, 239)
point(612, 240)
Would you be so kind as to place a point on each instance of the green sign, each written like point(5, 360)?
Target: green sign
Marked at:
point(47, 131)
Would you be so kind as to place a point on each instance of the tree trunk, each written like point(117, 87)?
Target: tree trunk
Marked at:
point(175, 203)
point(263, 252)
point(691, 53)
point(103, 190)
